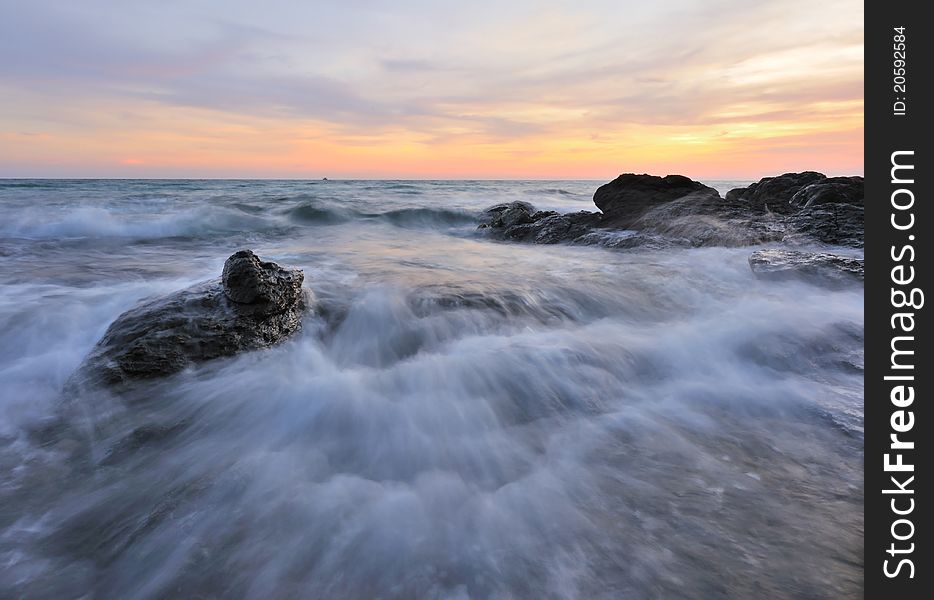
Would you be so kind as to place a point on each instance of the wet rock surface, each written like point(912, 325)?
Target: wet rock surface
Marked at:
point(774, 194)
point(256, 304)
point(629, 197)
point(830, 190)
point(822, 267)
point(640, 210)
point(508, 214)
point(835, 224)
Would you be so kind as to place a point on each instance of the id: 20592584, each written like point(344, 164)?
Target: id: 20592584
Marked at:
point(899, 71)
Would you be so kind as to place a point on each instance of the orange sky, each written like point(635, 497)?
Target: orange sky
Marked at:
point(717, 89)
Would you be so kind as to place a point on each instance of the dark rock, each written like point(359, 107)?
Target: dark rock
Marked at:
point(813, 207)
point(506, 215)
point(818, 267)
point(553, 228)
point(835, 224)
point(260, 288)
point(627, 202)
point(833, 190)
point(645, 210)
point(257, 304)
point(628, 197)
point(774, 194)
point(710, 221)
point(519, 221)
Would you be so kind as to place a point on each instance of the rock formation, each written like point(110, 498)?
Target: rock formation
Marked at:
point(629, 197)
point(254, 305)
point(638, 210)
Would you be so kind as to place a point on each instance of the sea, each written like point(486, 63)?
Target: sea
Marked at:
point(468, 418)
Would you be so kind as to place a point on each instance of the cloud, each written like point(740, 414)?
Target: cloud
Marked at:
point(478, 74)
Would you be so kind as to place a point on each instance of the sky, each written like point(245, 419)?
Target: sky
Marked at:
point(712, 89)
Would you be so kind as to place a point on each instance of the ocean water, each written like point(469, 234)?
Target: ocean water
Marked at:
point(462, 418)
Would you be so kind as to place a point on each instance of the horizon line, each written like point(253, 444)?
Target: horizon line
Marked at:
point(348, 179)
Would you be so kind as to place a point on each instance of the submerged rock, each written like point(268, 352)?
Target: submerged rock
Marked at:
point(820, 267)
point(255, 305)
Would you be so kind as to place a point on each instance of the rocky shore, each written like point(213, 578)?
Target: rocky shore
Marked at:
point(794, 209)
point(257, 304)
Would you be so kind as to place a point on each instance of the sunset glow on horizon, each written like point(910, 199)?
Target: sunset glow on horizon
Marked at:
point(414, 89)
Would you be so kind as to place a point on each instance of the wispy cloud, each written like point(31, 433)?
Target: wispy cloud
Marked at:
point(433, 89)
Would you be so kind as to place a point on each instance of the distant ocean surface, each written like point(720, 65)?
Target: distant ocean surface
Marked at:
point(488, 420)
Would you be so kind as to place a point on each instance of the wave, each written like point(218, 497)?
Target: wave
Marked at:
point(323, 213)
point(317, 213)
point(19, 183)
point(94, 222)
point(429, 216)
point(559, 191)
point(397, 188)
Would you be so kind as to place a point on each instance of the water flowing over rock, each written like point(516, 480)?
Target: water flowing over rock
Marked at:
point(774, 193)
point(832, 190)
point(628, 197)
point(507, 214)
point(640, 210)
point(255, 305)
point(816, 208)
point(822, 267)
point(460, 416)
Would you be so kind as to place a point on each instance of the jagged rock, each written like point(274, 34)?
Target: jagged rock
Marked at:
point(628, 201)
point(710, 221)
point(506, 215)
point(260, 288)
point(636, 210)
point(832, 190)
point(835, 224)
point(553, 228)
point(774, 194)
point(819, 267)
point(814, 207)
point(256, 304)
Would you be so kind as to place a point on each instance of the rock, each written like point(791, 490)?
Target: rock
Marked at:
point(645, 210)
point(774, 194)
point(832, 190)
point(812, 207)
point(261, 288)
point(628, 197)
point(835, 224)
point(506, 215)
point(830, 211)
point(255, 305)
point(819, 267)
point(553, 228)
point(626, 202)
point(519, 221)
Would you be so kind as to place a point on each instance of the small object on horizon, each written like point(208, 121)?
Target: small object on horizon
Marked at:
point(324, 179)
